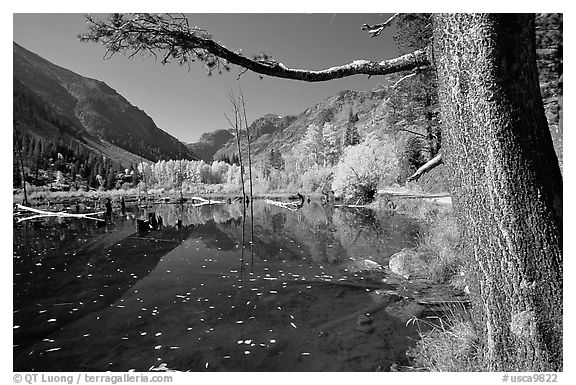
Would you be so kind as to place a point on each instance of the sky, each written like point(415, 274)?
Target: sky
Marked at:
point(188, 103)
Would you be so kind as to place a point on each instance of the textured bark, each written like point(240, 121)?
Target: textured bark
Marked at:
point(507, 186)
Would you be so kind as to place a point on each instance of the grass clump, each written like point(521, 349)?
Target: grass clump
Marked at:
point(448, 343)
point(443, 243)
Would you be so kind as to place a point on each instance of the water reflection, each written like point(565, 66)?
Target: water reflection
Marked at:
point(208, 296)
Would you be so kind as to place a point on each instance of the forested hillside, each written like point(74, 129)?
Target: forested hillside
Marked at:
point(95, 130)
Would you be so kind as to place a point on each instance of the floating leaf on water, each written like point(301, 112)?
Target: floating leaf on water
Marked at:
point(86, 335)
point(272, 341)
point(247, 352)
point(305, 354)
point(292, 324)
point(157, 347)
point(52, 350)
point(15, 326)
point(52, 320)
point(226, 357)
point(239, 322)
point(248, 342)
point(158, 334)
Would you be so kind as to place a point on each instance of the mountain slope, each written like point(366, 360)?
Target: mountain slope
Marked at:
point(209, 143)
point(283, 133)
point(86, 109)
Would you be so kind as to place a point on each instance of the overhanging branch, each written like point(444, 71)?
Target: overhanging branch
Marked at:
point(173, 39)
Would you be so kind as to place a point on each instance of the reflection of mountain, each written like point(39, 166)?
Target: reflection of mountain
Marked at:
point(54, 291)
point(86, 307)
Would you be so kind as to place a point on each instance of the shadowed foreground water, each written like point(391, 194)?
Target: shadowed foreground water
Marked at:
point(109, 298)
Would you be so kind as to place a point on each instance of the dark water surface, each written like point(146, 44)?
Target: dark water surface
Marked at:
point(90, 298)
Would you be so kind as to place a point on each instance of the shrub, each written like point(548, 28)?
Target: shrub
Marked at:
point(317, 179)
point(364, 167)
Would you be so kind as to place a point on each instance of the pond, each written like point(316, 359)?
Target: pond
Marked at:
point(191, 298)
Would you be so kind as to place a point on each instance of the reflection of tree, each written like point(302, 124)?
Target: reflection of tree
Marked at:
point(314, 215)
point(364, 233)
point(198, 215)
point(319, 233)
point(278, 220)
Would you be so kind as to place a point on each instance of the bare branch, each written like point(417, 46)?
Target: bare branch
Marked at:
point(404, 78)
point(242, 73)
point(411, 132)
point(157, 34)
point(376, 29)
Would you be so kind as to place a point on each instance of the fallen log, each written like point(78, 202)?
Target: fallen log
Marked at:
point(207, 201)
point(284, 205)
point(352, 206)
point(60, 214)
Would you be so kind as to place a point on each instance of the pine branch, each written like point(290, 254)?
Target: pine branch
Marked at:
point(172, 39)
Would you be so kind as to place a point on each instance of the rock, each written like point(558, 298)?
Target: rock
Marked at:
point(381, 295)
point(364, 319)
point(365, 328)
point(405, 310)
point(409, 263)
point(363, 265)
point(340, 293)
point(364, 324)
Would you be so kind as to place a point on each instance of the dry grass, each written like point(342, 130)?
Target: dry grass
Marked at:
point(448, 343)
point(443, 243)
point(440, 238)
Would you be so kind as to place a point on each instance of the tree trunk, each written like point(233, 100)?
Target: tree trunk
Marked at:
point(507, 186)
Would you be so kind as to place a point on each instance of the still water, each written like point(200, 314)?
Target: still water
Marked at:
point(191, 298)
